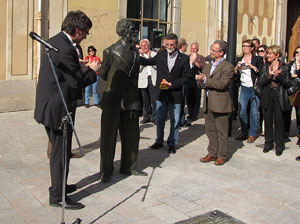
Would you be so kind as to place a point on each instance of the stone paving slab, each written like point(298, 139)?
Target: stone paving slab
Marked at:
point(252, 186)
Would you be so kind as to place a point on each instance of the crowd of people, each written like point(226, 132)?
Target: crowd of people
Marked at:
point(268, 89)
point(167, 80)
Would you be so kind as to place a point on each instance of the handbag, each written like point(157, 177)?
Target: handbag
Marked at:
point(257, 89)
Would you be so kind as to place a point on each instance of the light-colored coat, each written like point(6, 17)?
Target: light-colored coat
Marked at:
point(143, 75)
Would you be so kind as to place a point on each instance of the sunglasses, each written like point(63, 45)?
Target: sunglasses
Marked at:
point(297, 52)
point(261, 51)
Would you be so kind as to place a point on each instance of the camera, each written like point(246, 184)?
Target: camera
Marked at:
point(243, 64)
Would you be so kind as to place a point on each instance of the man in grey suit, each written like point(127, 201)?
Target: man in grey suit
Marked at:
point(216, 79)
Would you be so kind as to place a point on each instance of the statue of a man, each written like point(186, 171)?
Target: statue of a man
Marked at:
point(120, 102)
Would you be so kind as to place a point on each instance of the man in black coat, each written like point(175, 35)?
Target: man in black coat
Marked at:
point(49, 109)
point(173, 71)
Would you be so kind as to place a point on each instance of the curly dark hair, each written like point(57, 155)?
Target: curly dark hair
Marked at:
point(76, 19)
point(123, 25)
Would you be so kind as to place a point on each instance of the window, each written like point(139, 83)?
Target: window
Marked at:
point(151, 15)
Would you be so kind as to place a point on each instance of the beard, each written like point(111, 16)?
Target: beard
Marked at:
point(170, 50)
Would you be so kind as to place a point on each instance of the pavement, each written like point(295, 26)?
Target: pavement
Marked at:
point(252, 187)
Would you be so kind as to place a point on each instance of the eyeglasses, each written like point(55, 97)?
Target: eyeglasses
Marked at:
point(214, 50)
point(246, 45)
point(261, 51)
point(87, 32)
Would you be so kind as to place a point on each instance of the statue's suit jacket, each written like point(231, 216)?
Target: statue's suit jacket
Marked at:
point(120, 69)
point(49, 108)
point(217, 93)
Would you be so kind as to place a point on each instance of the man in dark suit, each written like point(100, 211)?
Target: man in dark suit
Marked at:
point(216, 79)
point(120, 103)
point(49, 109)
point(173, 71)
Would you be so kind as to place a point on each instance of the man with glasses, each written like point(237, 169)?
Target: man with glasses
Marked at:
point(49, 109)
point(217, 105)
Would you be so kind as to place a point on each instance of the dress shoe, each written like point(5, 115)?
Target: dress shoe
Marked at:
point(69, 204)
point(71, 188)
point(298, 158)
point(156, 145)
point(144, 121)
point(86, 105)
point(251, 139)
point(267, 149)
point(220, 162)
point(241, 137)
point(105, 178)
point(207, 159)
point(278, 152)
point(76, 155)
point(172, 149)
point(134, 173)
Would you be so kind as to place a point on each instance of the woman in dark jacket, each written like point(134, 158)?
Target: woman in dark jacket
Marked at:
point(274, 99)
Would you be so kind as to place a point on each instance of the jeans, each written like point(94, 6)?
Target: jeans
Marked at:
point(248, 95)
point(162, 108)
point(95, 94)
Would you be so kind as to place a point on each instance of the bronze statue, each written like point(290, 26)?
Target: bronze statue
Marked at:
point(120, 102)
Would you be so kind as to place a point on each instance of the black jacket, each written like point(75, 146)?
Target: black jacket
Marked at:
point(256, 61)
point(49, 108)
point(283, 84)
point(178, 76)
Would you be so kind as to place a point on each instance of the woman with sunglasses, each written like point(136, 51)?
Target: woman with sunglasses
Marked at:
point(92, 57)
point(295, 99)
point(247, 70)
point(274, 99)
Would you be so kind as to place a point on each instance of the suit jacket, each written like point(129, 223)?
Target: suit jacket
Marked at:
point(120, 69)
point(143, 76)
point(217, 87)
point(49, 108)
point(178, 76)
point(257, 61)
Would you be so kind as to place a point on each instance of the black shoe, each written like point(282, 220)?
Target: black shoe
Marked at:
point(86, 105)
point(156, 145)
point(278, 152)
point(298, 158)
point(134, 173)
point(144, 121)
point(105, 178)
point(172, 149)
point(71, 188)
point(267, 150)
point(69, 204)
point(287, 139)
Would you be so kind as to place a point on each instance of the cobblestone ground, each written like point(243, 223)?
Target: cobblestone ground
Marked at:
point(252, 186)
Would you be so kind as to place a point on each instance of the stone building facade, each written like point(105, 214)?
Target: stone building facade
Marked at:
point(196, 20)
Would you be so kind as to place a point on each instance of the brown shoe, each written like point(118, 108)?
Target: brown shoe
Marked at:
point(220, 162)
point(207, 159)
point(241, 137)
point(251, 139)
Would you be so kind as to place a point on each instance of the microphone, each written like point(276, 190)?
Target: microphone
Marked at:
point(35, 36)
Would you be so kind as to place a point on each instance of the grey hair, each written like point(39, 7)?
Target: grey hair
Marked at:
point(145, 40)
point(196, 44)
point(222, 45)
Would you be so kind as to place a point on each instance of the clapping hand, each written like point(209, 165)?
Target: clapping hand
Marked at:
point(200, 78)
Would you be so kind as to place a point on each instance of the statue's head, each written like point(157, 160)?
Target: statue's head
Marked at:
point(127, 30)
